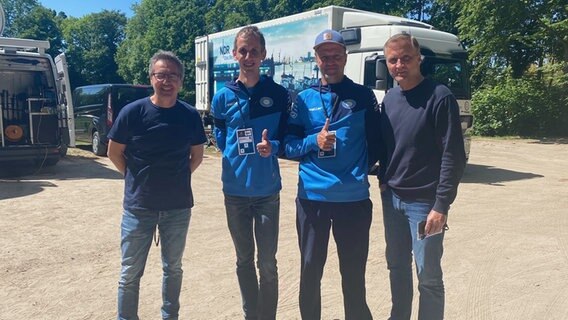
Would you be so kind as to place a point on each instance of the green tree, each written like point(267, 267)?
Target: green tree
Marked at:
point(14, 9)
point(413, 9)
point(92, 43)
point(162, 25)
point(527, 106)
point(554, 30)
point(281, 8)
point(224, 15)
point(512, 35)
point(40, 24)
point(443, 15)
point(518, 51)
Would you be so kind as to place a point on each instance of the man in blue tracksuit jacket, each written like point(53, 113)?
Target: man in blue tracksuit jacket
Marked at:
point(250, 118)
point(333, 129)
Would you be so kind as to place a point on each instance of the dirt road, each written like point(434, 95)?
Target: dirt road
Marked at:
point(505, 256)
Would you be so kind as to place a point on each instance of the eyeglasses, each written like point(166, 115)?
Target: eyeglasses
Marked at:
point(163, 76)
point(334, 58)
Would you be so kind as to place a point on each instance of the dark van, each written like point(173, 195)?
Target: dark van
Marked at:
point(97, 106)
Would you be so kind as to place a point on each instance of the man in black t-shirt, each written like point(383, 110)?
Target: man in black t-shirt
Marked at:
point(156, 143)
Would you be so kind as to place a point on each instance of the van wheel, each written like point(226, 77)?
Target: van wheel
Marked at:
point(98, 148)
point(63, 150)
point(51, 162)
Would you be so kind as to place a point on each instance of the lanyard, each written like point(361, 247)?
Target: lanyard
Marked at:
point(334, 105)
point(245, 90)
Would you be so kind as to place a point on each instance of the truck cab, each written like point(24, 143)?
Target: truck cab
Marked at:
point(444, 58)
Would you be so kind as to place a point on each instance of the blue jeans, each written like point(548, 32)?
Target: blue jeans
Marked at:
point(401, 220)
point(137, 232)
point(259, 297)
point(350, 222)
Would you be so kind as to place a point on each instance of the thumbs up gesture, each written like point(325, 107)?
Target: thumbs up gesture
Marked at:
point(325, 139)
point(264, 147)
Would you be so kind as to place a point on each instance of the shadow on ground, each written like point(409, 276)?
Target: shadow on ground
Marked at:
point(21, 179)
point(476, 173)
point(551, 141)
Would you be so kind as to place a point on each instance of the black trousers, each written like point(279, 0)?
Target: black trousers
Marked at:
point(350, 222)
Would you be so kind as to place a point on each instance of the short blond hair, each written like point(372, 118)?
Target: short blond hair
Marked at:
point(403, 37)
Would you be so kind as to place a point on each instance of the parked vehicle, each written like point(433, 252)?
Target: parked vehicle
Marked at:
point(34, 91)
point(290, 60)
point(97, 106)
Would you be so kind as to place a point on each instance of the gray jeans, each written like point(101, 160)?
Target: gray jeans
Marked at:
point(250, 219)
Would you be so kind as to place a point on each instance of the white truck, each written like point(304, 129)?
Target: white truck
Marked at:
point(34, 96)
point(290, 59)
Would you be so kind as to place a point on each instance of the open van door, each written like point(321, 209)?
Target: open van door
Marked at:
point(2, 19)
point(202, 84)
point(66, 107)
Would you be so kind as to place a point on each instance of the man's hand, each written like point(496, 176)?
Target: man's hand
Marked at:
point(115, 153)
point(435, 222)
point(325, 139)
point(264, 147)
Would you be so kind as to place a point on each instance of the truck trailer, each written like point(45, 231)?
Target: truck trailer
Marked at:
point(291, 62)
point(34, 119)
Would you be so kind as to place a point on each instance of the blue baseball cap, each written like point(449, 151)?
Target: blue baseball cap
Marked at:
point(329, 36)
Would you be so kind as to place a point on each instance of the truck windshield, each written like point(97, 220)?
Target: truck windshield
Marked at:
point(450, 72)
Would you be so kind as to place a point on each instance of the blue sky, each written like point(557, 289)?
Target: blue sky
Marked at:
point(79, 8)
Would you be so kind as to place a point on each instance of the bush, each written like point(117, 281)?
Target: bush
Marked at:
point(528, 106)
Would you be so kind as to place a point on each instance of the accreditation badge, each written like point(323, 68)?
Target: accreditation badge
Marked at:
point(245, 141)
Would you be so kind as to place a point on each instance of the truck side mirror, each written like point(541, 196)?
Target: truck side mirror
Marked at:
point(381, 74)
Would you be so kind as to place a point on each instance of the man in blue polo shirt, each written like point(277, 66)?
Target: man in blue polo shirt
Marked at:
point(250, 117)
point(333, 130)
point(156, 143)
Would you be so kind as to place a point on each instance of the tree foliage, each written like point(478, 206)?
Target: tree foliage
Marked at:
point(162, 25)
point(526, 106)
point(224, 15)
point(92, 42)
point(40, 24)
point(512, 34)
point(443, 14)
point(14, 9)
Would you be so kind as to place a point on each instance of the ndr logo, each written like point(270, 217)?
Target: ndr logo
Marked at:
point(224, 50)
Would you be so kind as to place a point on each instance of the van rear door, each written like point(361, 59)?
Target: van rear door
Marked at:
point(66, 119)
point(202, 74)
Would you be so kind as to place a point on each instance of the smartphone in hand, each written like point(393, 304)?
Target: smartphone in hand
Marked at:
point(422, 231)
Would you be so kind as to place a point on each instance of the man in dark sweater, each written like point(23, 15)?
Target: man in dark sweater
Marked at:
point(421, 129)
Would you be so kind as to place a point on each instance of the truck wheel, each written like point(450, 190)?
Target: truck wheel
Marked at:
point(98, 148)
